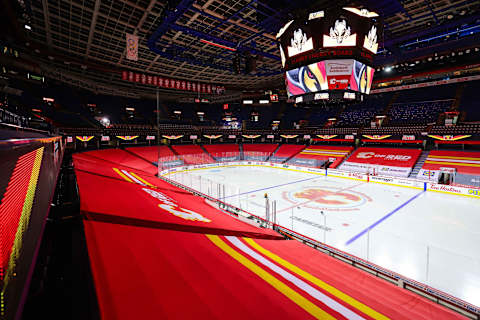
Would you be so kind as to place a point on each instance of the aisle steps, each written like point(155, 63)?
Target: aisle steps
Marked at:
point(419, 164)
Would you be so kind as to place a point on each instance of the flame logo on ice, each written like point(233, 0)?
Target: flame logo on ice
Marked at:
point(328, 197)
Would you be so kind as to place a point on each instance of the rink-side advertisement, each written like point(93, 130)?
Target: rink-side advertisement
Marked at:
point(388, 180)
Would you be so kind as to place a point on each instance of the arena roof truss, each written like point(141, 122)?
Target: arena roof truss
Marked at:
point(197, 40)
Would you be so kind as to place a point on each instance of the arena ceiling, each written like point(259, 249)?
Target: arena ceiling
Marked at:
point(84, 40)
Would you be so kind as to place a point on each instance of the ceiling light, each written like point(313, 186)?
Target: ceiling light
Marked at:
point(28, 27)
point(388, 69)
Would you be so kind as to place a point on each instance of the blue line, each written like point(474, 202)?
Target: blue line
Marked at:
point(383, 218)
point(276, 186)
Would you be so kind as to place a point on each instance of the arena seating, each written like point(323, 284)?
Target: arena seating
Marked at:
point(417, 112)
point(382, 161)
point(124, 158)
point(223, 152)
point(286, 151)
point(469, 101)
point(466, 164)
point(396, 130)
point(473, 128)
point(361, 114)
point(141, 217)
point(258, 151)
point(192, 154)
point(153, 153)
point(316, 155)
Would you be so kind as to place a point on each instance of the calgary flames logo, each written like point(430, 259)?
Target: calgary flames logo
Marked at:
point(327, 197)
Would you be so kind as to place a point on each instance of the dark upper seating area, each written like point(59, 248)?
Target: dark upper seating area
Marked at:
point(406, 113)
point(470, 101)
point(80, 112)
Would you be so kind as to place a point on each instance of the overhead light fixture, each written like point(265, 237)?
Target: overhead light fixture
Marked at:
point(388, 69)
point(130, 109)
point(247, 101)
point(28, 27)
point(177, 112)
point(264, 101)
point(217, 45)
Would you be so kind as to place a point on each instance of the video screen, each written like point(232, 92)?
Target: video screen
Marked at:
point(307, 79)
point(340, 74)
point(330, 34)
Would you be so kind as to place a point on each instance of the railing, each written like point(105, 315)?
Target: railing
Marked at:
point(367, 253)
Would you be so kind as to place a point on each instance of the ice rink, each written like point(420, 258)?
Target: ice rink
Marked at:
point(427, 236)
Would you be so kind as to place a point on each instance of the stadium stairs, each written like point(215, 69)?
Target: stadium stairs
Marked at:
point(389, 106)
point(173, 150)
point(346, 158)
point(293, 156)
point(205, 150)
point(458, 96)
point(240, 148)
point(419, 164)
point(274, 151)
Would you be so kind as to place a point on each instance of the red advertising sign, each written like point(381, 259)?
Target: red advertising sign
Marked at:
point(338, 82)
point(386, 156)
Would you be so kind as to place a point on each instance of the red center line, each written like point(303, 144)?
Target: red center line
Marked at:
point(314, 199)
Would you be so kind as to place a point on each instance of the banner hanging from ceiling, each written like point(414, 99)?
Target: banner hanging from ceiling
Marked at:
point(132, 47)
point(169, 83)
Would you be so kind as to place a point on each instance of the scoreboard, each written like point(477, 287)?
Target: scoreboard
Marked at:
point(330, 50)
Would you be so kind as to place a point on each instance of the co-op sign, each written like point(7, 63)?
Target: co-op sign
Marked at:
point(395, 157)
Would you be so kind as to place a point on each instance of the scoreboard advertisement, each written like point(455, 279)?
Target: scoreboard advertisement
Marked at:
point(343, 74)
point(330, 50)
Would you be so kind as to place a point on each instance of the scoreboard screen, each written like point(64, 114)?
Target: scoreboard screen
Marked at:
point(330, 50)
point(343, 74)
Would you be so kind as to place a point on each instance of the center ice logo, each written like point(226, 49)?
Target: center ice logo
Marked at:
point(328, 197)
point(320, 198)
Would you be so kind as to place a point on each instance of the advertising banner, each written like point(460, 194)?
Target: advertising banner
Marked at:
point(383, 161)
point(84, 138)
point(127, 138)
